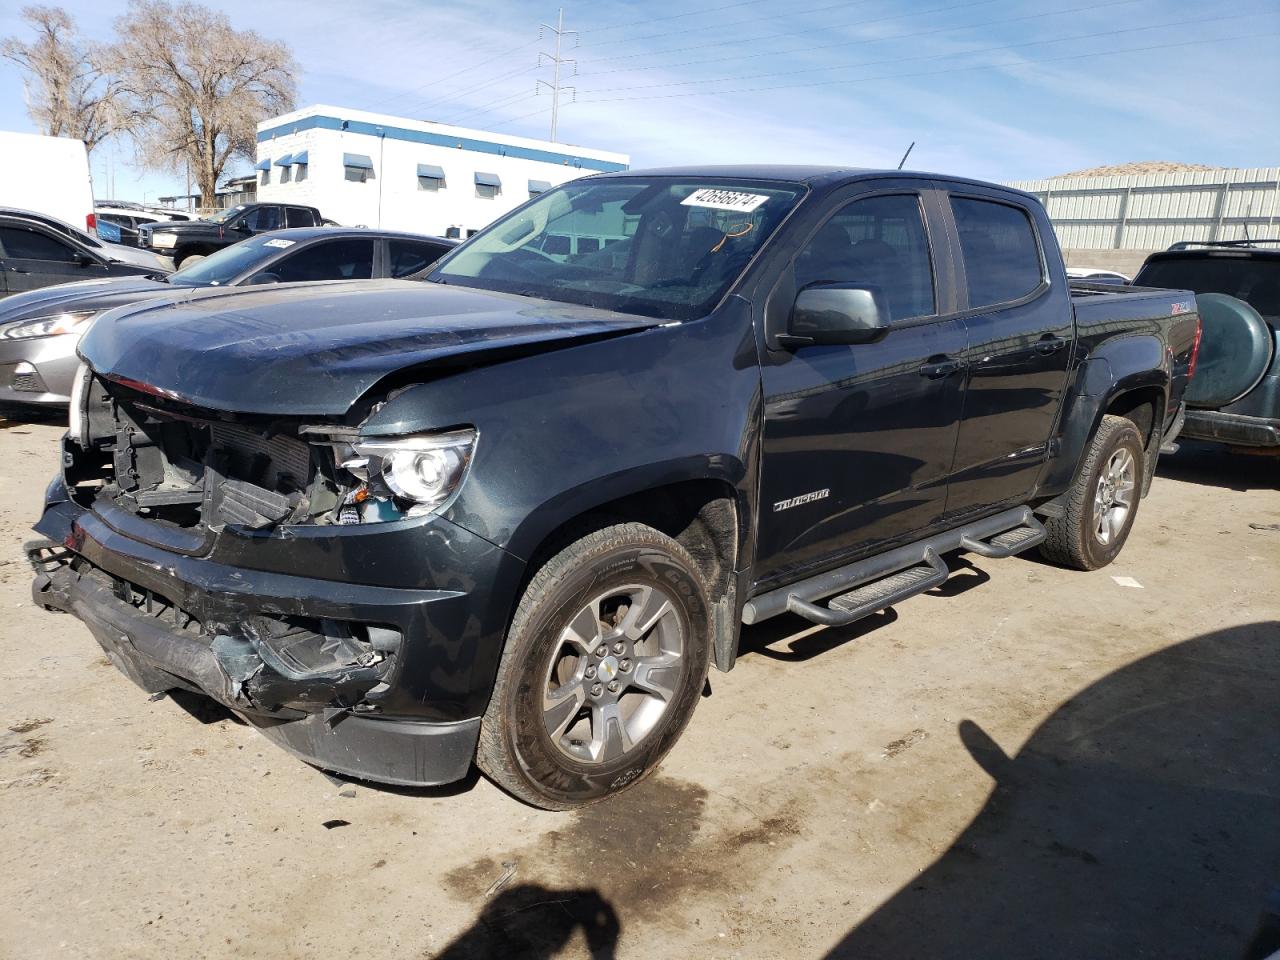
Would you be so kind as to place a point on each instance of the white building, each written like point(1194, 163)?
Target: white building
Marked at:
point(376, 170)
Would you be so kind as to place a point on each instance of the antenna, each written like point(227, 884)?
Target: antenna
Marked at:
point(557, 61)
point(907, 154)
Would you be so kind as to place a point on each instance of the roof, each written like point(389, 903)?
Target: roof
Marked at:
point(1136, 168)
point(814, 176)
point(308, 233)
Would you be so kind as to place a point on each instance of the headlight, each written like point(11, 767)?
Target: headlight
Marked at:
point(49, 326)
point(421, 472)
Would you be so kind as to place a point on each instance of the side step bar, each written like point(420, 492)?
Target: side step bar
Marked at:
point(877, 582)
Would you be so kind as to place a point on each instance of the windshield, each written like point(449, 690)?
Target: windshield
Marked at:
point(222, 216)
point(1255, 280)
point(221, 267)
point(657, 247)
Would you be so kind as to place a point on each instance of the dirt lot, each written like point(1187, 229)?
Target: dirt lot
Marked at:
point(1051, 764)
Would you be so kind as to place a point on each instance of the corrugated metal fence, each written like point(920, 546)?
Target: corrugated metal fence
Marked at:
point(1150, 211)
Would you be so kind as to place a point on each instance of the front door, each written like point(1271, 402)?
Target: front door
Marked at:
point(34, 259)
point(1020, 336)
point(858, 440)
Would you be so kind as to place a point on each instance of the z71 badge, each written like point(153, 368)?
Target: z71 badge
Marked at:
point(803, 498)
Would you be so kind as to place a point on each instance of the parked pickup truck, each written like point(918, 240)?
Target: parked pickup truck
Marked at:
point(511, 514)
point(183, 240)
point(1236, 395)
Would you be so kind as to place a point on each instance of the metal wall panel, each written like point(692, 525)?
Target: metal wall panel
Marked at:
point(1152, 211)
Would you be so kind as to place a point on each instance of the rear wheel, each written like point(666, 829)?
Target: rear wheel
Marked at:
point(1103, 501)
point(605, 660)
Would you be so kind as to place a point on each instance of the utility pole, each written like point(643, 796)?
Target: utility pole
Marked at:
point(557, 61)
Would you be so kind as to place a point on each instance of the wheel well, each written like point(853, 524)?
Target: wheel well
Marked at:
point(699, 514)
point(1143, 407)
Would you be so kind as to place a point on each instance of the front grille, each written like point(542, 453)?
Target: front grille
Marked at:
point(28, 383)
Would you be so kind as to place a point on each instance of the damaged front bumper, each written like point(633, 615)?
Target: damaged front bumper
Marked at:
point(381, 682)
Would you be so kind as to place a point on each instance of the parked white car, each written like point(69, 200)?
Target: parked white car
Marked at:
point(1097, 275)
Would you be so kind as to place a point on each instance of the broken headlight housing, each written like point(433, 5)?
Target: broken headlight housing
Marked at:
point(403, 476)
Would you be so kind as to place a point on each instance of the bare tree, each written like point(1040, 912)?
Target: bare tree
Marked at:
point(197, 87)
point(68, 92)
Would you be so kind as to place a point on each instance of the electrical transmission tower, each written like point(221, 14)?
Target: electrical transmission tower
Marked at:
point(557, 61)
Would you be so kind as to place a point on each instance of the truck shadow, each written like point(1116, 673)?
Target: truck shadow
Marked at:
point(805, 641)
point(1139, 820)
point(1214, 465)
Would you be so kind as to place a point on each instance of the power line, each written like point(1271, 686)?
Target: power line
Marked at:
point(675, 16)
point(455, 73)
point(932, 73)
point(943, 56)
point(456, 99)
point(866, 40)
point(735, 23)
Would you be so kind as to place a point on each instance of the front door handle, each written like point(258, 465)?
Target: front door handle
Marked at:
point(941, 367)
point(1050, 344)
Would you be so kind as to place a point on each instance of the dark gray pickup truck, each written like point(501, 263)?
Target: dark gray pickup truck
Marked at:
point(510, 515)
point(187, 240)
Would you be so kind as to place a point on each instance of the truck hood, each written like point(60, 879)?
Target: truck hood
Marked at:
point(81, 295)
point(314, 349)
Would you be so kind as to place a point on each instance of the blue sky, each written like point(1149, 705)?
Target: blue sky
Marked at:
point(996, 89)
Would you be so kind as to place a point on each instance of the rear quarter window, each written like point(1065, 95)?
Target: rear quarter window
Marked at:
point(1002, 259)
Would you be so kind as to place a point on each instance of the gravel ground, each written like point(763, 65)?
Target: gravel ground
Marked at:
point(1051, 764)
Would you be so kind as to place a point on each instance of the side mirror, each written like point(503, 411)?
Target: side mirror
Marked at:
point(837, 313)
point(84, 260)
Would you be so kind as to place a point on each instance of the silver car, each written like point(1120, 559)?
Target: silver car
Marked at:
point(39, 330)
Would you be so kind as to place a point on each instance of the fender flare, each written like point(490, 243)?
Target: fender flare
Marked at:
point(1117, 368)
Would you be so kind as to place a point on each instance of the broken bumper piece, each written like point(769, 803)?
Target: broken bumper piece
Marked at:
point(300, 688)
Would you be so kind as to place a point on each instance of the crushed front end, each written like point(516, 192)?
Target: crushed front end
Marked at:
point(289, 570)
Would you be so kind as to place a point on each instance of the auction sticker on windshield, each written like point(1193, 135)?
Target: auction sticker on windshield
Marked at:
point(724, 200)
point(282, 244)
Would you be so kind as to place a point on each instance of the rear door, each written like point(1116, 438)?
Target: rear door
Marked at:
point(1021, 332)
point(858, 440)
point(35, 258)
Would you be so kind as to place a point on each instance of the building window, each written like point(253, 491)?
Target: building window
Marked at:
point(430, 177)
point(300, 173)
point(453, 233)
point(488, 185)
point(264, 167)
point(357, 167)
point(284, 174)
point(266, 177)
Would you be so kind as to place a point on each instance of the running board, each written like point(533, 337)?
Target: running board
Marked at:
point(861, 588)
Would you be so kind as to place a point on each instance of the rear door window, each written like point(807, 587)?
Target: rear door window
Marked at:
point(1001, 253)
point(21, 243)
point(350, 259)
point(410, 256)
point(298, 217)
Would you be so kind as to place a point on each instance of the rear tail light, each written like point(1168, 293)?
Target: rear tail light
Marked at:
point(91, 223)
point(1195, 348)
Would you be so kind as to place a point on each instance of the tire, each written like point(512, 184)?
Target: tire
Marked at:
point(187, 260)
point(555, 734)
point(1110, 475)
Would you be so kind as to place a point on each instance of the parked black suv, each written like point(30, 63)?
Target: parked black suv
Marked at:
point(1235, 398)
point(199, 238)
point(510, 515)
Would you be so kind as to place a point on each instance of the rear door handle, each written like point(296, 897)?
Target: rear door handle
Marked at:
point(942, 367)
point(1050, 344)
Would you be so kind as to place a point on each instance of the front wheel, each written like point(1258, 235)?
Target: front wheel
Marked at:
point(1101, 505)
point(605, 660)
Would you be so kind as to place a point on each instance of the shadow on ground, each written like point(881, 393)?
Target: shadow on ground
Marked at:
point(1142, 819)
point(534, 922)
point(1214, 465)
